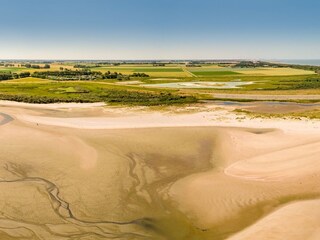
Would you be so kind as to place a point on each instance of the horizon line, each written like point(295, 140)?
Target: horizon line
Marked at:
point(169, 59)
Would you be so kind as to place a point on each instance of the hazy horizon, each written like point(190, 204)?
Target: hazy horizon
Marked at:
point(159, 30)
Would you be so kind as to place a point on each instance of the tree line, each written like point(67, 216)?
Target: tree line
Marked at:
point(9, 75)
point(84, 74)
point(36, 66)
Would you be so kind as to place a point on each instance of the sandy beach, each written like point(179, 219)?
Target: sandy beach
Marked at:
point(196, 172)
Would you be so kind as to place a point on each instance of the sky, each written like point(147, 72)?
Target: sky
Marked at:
point(159, 29)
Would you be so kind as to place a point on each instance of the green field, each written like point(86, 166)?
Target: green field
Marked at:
point(9, 69)
point(35, 91)
point(172, 70)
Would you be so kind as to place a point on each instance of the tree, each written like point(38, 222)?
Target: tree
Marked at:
point(24, 74)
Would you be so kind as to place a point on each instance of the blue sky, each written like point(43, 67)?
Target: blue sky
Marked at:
point(159, 29)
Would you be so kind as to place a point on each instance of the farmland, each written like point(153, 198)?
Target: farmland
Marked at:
point(169, 83)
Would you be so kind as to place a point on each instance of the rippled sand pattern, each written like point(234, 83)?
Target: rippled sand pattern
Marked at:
point(156, 183)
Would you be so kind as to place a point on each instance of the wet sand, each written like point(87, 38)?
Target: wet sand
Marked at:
point(5, 118)
point(97, 172)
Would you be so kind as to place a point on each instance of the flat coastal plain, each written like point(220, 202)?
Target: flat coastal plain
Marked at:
point(89, 171)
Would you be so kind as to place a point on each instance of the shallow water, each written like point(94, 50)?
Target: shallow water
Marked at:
point(5, 118)
point(313, 62)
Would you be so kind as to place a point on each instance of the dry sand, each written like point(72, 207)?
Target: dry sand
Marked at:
point(201, 172)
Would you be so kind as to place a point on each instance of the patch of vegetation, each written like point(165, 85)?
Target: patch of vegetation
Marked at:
point(84, 74)
point(52, 92)
point(309, 114)
point(309, 83)
point(9, 75)
point(35, 66)
point(139, 75)
point(67, 75)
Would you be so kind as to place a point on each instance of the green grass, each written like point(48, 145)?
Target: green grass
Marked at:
point(51, 92)
point(10, 69)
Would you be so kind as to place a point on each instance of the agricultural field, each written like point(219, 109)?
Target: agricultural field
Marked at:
point(195, 82)
point(175, 71)
point(205, 71)
point(214, 71)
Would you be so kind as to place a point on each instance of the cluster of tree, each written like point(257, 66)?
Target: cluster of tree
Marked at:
point(159, 64)
point(251, 64)
point(86, 66)
point(9, 75)
point(114, 75)
point(35, 66)
point(68, 75)
point(6, 65)
point(225, 64)
point(139, 75)
point(5, 76)
point(193, 65)
point(84, 74)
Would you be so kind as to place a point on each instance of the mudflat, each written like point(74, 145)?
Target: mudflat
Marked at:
point(98, 172)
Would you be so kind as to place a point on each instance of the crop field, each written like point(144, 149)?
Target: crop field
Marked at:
point(275, 71)
point(26, 80)
point(207, 71)
point(170, 71)
point(214, 73)
point(151, 71)
point(9, 69)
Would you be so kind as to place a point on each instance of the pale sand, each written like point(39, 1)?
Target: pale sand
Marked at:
point(4, 103)
point(295, 221)
point(204, 117)
point(139, 174)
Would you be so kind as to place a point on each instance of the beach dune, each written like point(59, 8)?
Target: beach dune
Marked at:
point(178, 177)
